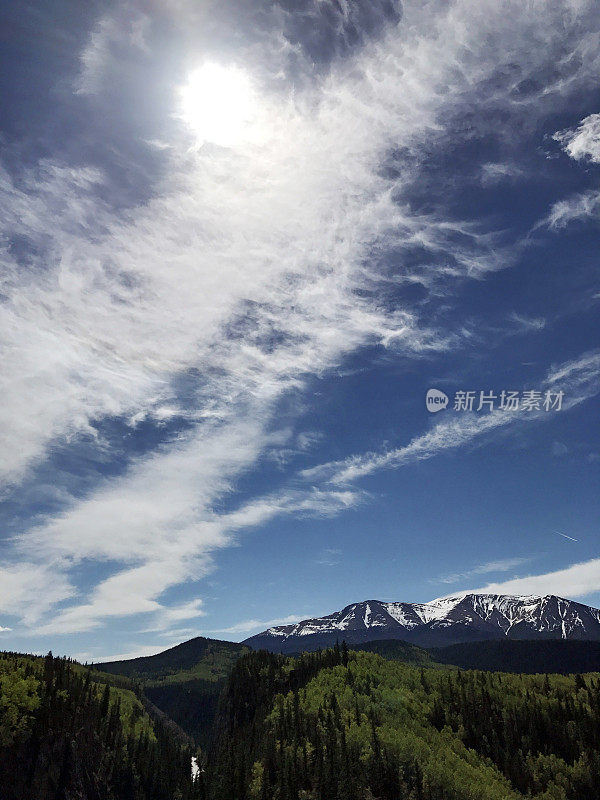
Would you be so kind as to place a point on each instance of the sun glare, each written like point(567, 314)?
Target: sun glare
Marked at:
point(218, 103)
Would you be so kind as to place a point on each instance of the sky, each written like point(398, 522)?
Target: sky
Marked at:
point(240, 242)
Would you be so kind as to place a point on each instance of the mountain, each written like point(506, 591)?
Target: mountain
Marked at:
point(185, 681)
point(200, 657)
point(448, 620)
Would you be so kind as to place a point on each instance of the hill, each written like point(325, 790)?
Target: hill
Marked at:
point(529, 657)
point(185, 681)
point(198, 658)
point(552, 656)
point(351, 725)
point(65, 735)
point(397, 650)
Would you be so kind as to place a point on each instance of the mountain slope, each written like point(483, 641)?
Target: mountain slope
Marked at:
point(451, 620)
point(345, 724)
point(64, 735)
point(184, 681)
point(199, 657)
point(397, 650)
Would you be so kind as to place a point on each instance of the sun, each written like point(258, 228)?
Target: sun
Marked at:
point(218, 103)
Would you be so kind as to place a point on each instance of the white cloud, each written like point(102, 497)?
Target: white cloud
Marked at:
point(526, 323)
point(246, 267)
point(329, 557)
point(501, 565)
point(28, 590)
point(583, 142)
point(579, 379)
point(139, 652)
point(171, 549)
point(578, 580)
point(496, 172)
point(559, 449)
point(585, 205)
point(108, 43)
point(250, 626)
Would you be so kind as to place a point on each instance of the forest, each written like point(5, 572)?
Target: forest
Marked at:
point(342, 725)
point(330, 725)
point(65, 734)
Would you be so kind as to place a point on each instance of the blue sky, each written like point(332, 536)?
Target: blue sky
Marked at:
point(239, 244)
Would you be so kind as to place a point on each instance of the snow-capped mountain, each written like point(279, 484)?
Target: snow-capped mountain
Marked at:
point(448, 620)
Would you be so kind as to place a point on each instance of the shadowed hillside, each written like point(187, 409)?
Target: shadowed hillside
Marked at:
point(184, 681)
point(565, 657)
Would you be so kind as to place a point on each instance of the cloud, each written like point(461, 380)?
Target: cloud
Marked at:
point(249, 626)
point(527, 324)
point(501, 565)
point(559, 449)
point(165, 560)
point(106, 50)
point(246, 273)
point(496, 172)
point(139, 652)
point(579, 379)
point(29, 590)
point(578, 580)
point(583, 142)
point(329, 557)
point(582, 206)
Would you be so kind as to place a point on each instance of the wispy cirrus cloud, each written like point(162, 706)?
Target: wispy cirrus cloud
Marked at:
point(581, 143)
point(249, 626)
point(583, 206)
point(579, 379)
point(523, 322)
point(329, 557)
point(246, 273)
point(501, 565)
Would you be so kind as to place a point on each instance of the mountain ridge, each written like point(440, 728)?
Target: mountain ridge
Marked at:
point(465, 617)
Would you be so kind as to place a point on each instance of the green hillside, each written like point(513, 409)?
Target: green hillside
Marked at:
point(353, 726)
point(185, 681)
point(397, 650)
point(331, 725)
point(208, 659)
point(67, 732)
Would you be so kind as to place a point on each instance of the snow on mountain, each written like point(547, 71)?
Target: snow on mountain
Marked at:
point(447, 620)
